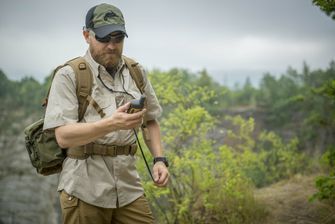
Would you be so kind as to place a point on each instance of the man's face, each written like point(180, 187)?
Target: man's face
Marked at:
point(106, 51)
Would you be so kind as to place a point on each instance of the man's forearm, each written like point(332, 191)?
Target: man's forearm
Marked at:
point(154, 144)
point(77, 134)
point(72, 135)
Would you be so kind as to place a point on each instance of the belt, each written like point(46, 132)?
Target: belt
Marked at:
point(83, 152)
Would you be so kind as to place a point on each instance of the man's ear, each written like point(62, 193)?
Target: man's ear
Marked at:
point(86, 35)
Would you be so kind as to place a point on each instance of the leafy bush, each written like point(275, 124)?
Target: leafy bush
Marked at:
point(266, 158)
point(213, 183)
point(326, 183)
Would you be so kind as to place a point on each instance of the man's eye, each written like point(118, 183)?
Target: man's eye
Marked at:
point(103, 39)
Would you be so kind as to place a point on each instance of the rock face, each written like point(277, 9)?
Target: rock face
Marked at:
point(25, 196)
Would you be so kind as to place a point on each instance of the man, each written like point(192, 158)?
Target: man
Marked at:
point(104, 189)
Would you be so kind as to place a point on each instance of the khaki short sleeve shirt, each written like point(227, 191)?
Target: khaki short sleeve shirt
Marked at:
point(103, 181)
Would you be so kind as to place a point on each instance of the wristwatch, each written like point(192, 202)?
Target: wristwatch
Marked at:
point(161, 159)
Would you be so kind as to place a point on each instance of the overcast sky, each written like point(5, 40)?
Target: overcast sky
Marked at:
point(231, 39)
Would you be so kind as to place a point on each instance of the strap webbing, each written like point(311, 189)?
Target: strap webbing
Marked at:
point(84, 83)
point(96, 106)
point(135, 73)
point(82, 152)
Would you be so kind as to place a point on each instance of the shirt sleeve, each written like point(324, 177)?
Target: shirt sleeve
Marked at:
point(154, 110)
point(62, 105)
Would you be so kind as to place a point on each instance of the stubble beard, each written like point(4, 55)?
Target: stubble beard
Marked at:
point(107, 58)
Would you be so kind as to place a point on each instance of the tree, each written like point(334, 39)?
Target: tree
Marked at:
point(326, 184)
point(328, 6)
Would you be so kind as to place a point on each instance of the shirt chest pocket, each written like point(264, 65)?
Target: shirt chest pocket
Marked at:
point(108, 102)
point(101, 101)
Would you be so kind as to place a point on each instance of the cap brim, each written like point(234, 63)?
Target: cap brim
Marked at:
point(103, 31)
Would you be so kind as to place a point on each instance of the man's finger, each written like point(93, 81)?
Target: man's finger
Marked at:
point(156, 175)
point(162, 184)
point(137, 115)
point(162, 177)
point(123, 108)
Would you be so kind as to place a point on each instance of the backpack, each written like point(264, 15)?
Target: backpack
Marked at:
point(44, 152)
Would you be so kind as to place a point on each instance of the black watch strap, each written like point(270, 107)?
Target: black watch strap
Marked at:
point(161, 159)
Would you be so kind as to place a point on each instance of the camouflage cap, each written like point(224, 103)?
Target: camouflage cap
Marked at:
point(104, 19)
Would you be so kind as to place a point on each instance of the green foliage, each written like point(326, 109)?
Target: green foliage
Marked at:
point(266, 158)
point(182, 87)
point(206, 183)
point(296, 106)
point(326, 186)
point(299, 105)
point(247, 95)
point(322, 118)
point(326, 183)
point(280, 97)
point(18, 100)
point(211, 182)
point(328, 6)
point(282, 160)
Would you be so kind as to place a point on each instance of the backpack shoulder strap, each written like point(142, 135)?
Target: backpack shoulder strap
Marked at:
point(84, 83)
point(135, 72)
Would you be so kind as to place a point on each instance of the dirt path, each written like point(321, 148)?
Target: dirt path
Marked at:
point(287, 203)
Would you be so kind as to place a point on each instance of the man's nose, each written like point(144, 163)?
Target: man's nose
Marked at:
point(111, 45)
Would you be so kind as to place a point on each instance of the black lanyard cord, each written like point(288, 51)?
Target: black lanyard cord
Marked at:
point(145, 160)
point(115, 91)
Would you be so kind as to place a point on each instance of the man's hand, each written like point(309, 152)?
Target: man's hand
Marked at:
point(76, 134)
point(161, 174)
point(121, 120)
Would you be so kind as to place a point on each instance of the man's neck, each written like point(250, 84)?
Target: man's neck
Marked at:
point(112, 70)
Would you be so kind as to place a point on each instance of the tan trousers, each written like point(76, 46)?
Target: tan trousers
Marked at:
point(75, 211)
